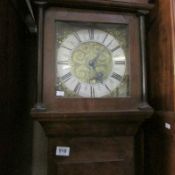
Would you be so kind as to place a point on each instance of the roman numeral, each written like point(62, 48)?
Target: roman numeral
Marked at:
point(107, 88)
point(66, 77)
point(77, 88)
point(91, 34)
point(67, 48)
point(109, 43)
point(116, 76)
point(105, 38)
point(92, 92)
point(77, 37)
point(63, 62)
point(115, 48)
point(120, 62)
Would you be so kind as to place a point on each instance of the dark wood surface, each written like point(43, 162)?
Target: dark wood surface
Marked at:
point(89, 155)
point(159, 144)
point(102, 142)
point(106, 144)
point(92, 124)
point(129, 115)
point(124, 5)
point(161, 39)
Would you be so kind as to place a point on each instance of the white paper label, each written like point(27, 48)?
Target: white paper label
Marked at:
point(62, 151)
point(167, 126)
point(60, 93)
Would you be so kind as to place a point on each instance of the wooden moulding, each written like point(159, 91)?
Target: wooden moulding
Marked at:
point(129, 115)
point(92, 123)
point(123, 5)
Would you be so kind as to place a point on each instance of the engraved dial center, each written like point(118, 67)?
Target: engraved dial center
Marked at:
point(91, 62)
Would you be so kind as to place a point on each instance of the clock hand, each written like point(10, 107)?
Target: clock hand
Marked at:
point(93, 62)
point(98, 77)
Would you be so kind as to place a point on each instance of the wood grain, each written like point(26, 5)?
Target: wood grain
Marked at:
point(93, 155)
point(124, 5)
point(159, 144)
point(161, 42)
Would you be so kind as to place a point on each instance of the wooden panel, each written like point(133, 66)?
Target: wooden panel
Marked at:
point(86, 128)
point(161, 56)
point(159, 147)
point(93, 168)
point(93, 155)
point(160, 143)
point(94, 123)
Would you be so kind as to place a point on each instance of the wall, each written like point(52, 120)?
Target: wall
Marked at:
point(15, 122)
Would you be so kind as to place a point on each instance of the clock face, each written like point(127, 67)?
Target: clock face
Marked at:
point(90, 63)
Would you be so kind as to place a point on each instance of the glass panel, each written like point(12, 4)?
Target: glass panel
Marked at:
point(92, 60)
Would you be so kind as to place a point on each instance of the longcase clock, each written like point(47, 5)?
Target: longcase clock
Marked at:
point(92, 85)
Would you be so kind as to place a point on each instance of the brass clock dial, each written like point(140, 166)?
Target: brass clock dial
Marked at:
point(90, 63)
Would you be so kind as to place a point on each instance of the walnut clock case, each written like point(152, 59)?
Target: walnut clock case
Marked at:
point(92, 87)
